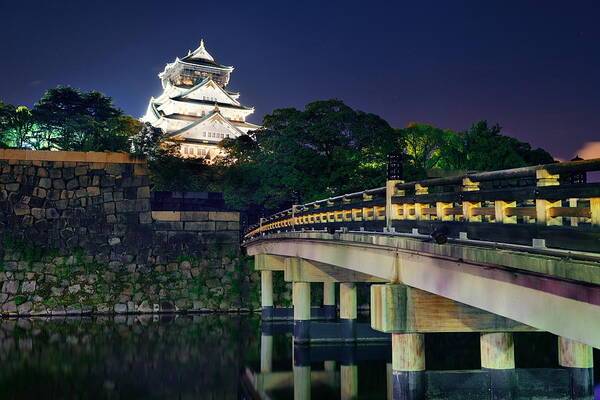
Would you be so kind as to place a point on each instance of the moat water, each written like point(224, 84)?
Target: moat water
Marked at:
point(219, 357)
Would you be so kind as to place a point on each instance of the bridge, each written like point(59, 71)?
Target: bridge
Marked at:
point(491, 252)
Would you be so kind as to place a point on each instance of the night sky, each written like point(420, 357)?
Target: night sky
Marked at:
point(531, 66)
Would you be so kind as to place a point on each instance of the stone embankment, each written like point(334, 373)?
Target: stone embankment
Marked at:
point(78, 235)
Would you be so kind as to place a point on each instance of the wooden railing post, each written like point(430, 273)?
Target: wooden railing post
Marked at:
point(391, 210)
point(542, 207)
point(441, 213)
point(419, 189)
point(469, 186)
point(595, 210)
point(500, 212)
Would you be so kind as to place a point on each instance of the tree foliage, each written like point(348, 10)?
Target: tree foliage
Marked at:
point(68, 119)
point(82, 121)
point(302, 155)
point(480, 148)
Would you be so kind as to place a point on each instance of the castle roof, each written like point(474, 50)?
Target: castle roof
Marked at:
point(202, 57)
point(213, 114)
point(210, 102)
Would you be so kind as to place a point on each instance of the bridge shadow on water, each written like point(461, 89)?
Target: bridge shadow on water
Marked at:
point(230, 356)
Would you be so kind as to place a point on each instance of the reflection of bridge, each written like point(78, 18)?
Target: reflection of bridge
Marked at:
point(340, 374)
point(491, 252)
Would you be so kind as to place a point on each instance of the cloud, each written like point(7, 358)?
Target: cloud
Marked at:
point(35, 83)
point(589, 150)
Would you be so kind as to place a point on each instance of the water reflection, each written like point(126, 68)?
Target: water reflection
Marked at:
point(355, 371)
point(237, 357)
point(167, 357)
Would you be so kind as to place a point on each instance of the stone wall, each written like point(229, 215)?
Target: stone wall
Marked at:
point(78, 235)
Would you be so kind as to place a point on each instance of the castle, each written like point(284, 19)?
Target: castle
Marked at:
point(196, 109)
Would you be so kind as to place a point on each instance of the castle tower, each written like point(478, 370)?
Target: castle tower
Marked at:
point(195, 108)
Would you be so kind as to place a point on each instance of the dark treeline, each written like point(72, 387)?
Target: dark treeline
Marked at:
point(299, 156)
point(68, 119)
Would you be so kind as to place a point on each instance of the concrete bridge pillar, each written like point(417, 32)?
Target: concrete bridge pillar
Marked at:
point(301, 303)
point(329, 307)
point(348, 382)
point(408, 366)
point(266, 294)
point(497, 350)
point(579, 360)
point(498, 357)
point(266, 353)
point(302, 382)
point(348, 312)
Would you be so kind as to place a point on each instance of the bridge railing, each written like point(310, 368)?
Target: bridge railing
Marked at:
point(543, 206)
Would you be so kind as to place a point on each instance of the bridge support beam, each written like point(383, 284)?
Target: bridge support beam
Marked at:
point(348, 312)
point(348, 382)
point(302, 382)
point(266, 353)
point(408, 365)
point(579, 360)
point(266, 294)
point(301, 300)
point(497, 350)
point(329, 307)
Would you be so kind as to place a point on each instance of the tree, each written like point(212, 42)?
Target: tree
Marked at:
point(82, 121)
point(425, 146)
point(147, 141)
point(19, 126)
point(6, 111)
point(484, 148)
point(302, 155)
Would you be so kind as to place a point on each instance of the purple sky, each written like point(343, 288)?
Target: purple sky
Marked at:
point(533, 67)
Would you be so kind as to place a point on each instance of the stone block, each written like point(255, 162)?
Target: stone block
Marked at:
point(11, 287)
point(169, 226)
point(133, 205)
point(58, 311)
point(13, 187)
point(103, 308)
point(145, 307)
point(81, 170)
point(58, 184)
point(143, 192)
point(167, 306)
point(113, 169)
point(145, 218)
point(224, 216)
point(9, 308)
point(166, 215)
point(28, 287)
point(52, 213)
point(72, 184)
point(120, 308)
point(45, 183)
point(74, 289)
point(195, 216)
point(233, 226)
point(39, 192)
point(25, 308)
point(200, 226)
point(21, 209)
point(109, 208)
point(93, 191)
